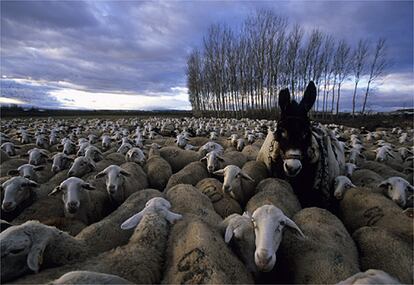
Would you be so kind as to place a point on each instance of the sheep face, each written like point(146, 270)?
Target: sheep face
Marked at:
point(60, 162)
point(93, 153)
point(68, 147)
point(22, 249)
point(27, 171)
point(16, 190)
point(233, 139)
point(240, 230)
point(232, 175)
point(115, 176)
point(211, 146)
point(73, 189)
point(342, 184)
point(106, 141)
point(397, 189)
point(25, 138)
point(212, 158)
point(135, 155)
point(81, 166)
point(383, 153)
point(350, 168)
point(240, 144)
point(181, 140)
point(123, 149)
point(82, 147)
point(37, 156)
point(269, 222)
point(9, 148)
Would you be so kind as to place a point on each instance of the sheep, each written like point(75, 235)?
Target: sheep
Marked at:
point(143, 252)
point(18, 193)
point(186, 199)
point(355, 156)
point(381, 249)
point(89, 277)
point(181, 140)
point(350, 168)
point(82, 147)
point(327, 254)
point(122, 181)
point(241, 228)
point(398, 189)
point(369, 277)
point(158, 169)
point(232, 182)
point(177, 157)
point(223, 204)
point(382, 154)
point(37, 156)
point(93, 153)
point(81, 166)
point(60, 161)
point(191, 174)
point(210, 146)
point(233, 140)
point(383, 170)
point(106, 142)
point(196, 253)
point(341, 185)
point(79, 203)
point(361, 207)
point(9, 148)
point(27, 170)
point(68, 147)
point(136, 155)
point(366, 178)
point(240, 144)
point(123, 149)
point(251, 152)
point(28, 247)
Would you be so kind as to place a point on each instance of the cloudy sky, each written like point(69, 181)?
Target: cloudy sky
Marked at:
point(132, 54)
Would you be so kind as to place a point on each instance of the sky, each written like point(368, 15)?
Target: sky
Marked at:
point(132, 54)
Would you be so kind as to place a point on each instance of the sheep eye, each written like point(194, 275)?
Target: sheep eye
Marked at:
point(282, 223)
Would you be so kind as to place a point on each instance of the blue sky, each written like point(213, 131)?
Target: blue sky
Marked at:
point(132, 55)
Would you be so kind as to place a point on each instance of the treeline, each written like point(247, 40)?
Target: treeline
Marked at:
point(245, 70)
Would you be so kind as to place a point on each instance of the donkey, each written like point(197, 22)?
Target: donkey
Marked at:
point(302, 153)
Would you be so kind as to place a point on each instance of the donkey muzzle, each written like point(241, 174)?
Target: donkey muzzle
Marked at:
point(292, 167)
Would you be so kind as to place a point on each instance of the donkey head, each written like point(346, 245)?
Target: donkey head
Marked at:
point(293, 132)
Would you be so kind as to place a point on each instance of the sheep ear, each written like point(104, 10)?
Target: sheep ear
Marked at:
point(13, 172)
point(410, 188)
point(292, 225)
point(92, 164)
point(17, 147)
point(125, 173)
point(56, 190)
point(172, 217)
point(247, 214)
point(284, 99)
point(88, 186)
point(383, 184)
point(390, 154)
point(203, 159)
point(132, 221)
point(24, 155)
point(100, 174)
point(35, 256)
point(229, 234)
point(220, 158)
point(244, 175)
point(219, 172)
point(31, 183)
point(38, 168)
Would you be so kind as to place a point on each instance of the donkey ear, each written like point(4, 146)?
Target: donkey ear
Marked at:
point(309, 97)
point(284, 99)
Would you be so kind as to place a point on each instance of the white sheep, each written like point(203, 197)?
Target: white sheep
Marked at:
point(341, 185)
point(232, 182)
point(79, 203)
point(136, 155)
point(28, 171)
point(81, 166)
point(89, 277)
point(122, 181)
point(398, 189)
point(369, 277)
point(60, 161)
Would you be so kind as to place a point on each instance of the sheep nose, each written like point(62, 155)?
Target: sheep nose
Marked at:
point(27, 176)
point(111, 189)
point(210, 169)
point(7, 205)
point(263, 260)
point(55, 169)
point(226, 188)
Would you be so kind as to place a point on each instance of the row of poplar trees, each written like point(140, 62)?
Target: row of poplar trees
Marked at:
point(244, 71)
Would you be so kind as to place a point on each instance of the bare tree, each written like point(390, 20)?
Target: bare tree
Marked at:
point(341, 66)
point(378, 66)
point(358, 62)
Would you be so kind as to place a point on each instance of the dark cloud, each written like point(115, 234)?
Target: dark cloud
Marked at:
point(139, 47)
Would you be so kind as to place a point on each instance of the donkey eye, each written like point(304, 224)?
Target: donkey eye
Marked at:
point(284, 134)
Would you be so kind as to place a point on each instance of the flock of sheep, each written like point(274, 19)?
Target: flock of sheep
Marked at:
point(151, 200)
